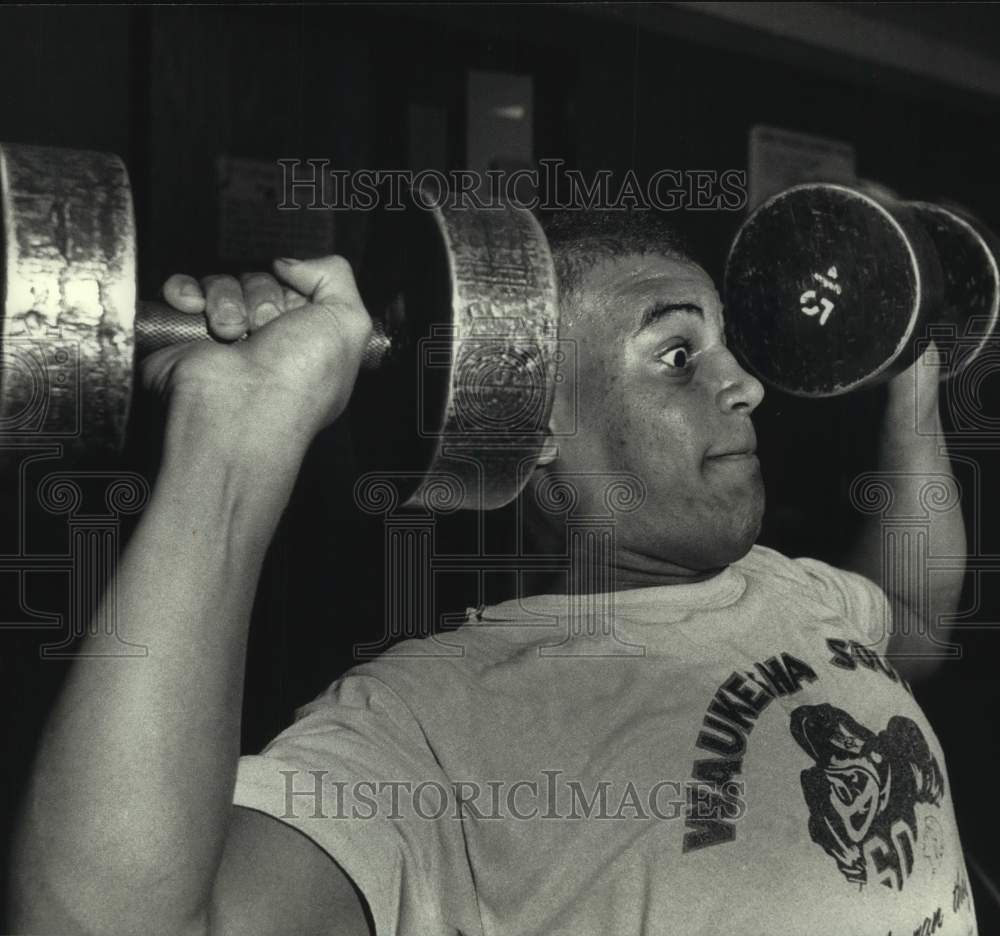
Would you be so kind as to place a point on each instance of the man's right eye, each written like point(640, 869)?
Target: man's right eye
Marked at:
point(677, 357)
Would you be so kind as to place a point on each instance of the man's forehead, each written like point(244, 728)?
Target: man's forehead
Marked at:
point(633, 283)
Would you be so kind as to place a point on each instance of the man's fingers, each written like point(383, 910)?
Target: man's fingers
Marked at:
point(224, 307)
point(264, 298)
point(184, 293)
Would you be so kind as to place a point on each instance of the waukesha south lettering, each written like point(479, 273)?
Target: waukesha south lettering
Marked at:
point(712, 810)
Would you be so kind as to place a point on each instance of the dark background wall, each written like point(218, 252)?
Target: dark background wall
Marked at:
point(172, 88)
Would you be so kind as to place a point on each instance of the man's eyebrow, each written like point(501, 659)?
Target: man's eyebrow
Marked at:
point(662, 309)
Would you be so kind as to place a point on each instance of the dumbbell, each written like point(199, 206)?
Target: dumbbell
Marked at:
point(830, 288)
point(457, 379)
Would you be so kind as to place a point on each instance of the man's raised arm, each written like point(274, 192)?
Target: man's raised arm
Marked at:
point(124, 824)
point(912, 456)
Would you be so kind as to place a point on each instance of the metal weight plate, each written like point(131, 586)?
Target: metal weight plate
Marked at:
point(66, 339)
point(456, 414)
point(825, 288)
point(970, 302)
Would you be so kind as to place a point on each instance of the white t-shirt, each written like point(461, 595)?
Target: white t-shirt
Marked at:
point(733, 756)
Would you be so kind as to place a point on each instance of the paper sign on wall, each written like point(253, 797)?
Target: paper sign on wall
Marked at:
point(781, 158)
point(253, 228)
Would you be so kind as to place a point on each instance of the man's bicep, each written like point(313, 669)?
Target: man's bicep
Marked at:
point(273, 880)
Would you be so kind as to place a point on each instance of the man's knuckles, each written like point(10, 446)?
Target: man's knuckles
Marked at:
point(263, 298)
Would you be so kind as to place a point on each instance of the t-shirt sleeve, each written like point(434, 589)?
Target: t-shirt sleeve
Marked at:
point(356, 774)
point(856, 597)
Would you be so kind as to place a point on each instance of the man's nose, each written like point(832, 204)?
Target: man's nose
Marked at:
point(739, 390)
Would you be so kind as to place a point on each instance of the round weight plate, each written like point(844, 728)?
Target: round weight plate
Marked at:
point(456, 413)
point(824, 287)
point(971, 285)
point(66, 345)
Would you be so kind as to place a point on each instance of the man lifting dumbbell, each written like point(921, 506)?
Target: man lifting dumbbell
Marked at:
point(755, 669)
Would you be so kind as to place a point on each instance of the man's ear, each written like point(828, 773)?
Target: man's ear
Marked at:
point(550, 451)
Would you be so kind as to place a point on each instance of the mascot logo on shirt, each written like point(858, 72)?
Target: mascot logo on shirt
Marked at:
point(863, 789)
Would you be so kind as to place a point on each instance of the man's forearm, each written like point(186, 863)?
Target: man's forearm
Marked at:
point(125, 818)
point(912, 455)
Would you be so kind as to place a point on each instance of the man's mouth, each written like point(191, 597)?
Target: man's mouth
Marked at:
point(737, 453)
point(737, 450)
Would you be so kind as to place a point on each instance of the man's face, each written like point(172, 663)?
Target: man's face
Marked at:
point(659, 396)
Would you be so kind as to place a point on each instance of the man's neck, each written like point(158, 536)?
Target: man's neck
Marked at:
point(585, 575)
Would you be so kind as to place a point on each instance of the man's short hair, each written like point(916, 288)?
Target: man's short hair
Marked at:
point(579, 240)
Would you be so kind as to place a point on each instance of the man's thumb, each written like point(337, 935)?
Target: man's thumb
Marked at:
point(325, 280)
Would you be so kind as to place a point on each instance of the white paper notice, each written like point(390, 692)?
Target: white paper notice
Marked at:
point(779, 159)
point(253, 227)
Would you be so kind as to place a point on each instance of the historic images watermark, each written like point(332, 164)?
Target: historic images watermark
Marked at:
point(316, 794)
point(313, 185)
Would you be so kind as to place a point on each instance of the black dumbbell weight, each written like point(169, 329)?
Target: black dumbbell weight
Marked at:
point(831, 289)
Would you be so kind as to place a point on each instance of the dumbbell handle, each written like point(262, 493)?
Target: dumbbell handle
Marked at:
point(159, 326)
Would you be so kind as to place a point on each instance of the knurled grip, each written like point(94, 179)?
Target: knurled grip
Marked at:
point(159, 326)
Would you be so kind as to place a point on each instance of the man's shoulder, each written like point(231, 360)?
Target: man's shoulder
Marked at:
point(841, 590)
point(436, 664)
point(763, 561)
